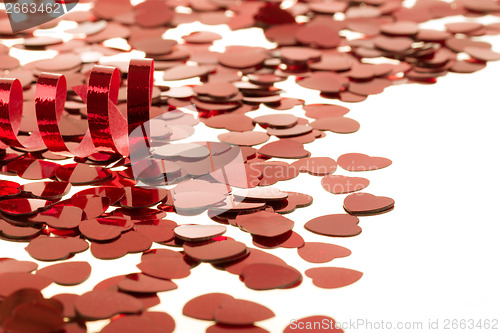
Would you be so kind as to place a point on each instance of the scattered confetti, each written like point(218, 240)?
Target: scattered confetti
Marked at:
point(113, 128)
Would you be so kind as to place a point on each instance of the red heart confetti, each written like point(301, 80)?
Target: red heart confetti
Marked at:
point(128, 242)
point(103, 304)
point(231, 122)
point(8, 265)
point(316, 166)
point(92, 205)
point(33, 169)
point(103, 229)
point(268, 276)
point(60, 217)
point(155, 322)
point(245, 138)
point(114, 194)
point(324, 110)
point(367, 204)
point(216, 251)
point(289, 240)
point(254, 256)
point(196, 233)
point(34, 317)
point(171, 266)
point(284, 148)
point(138, 197)
point(337, 184)
point(336, 225)
point(67, 273)
point(333, 277)
point(7, 191)
point(341, 125)
point(221, 328)
point(264, 224)
point(141, 283)
point(68, 301)
point(277, 120)
point(14, 281)
point(17, 298)
point(82, 174)
point(241, 312)
point(55, 248)
point(118, 121)
point(23, 207)
point(204, 307)
point(361, 162)
point(319, 253)
point(47, 190)
point(324, 81)
point(156, 230)
point(14, 231)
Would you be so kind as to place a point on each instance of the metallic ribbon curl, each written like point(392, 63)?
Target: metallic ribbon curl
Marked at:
point(108, 128)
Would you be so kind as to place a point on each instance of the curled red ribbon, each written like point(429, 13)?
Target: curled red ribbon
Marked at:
point(108, 128)
point(11, 112)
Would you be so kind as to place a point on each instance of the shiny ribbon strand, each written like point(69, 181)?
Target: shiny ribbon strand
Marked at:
point(108, 129)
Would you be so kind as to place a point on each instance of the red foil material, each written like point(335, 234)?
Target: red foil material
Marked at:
point(11, 111)
point(108, 128)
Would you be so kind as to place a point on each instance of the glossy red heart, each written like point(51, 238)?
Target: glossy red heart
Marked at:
point(341, 125)
point(362, 162)
point(316, 166)
point(367, 204)
point(337, 184)
point(103, 304)
point(203, 307)
point(241, 312)
point(284, 148)
point(320, 253)
point(335, 225)
point(333, 277)
point(269, 276)
point(329, 82)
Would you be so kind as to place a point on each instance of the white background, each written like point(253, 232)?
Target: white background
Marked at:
point(435, 256)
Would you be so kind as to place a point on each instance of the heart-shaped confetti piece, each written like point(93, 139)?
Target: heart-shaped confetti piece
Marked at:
point(333, 277)
point(335, 225)
point(362, 162)
point(337, 184)
point(367, 204)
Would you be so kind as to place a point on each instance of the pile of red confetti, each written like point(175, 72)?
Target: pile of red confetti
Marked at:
point(121, 128)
